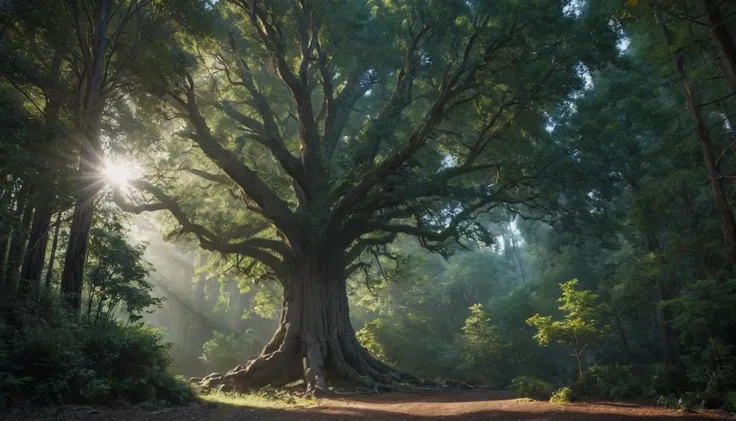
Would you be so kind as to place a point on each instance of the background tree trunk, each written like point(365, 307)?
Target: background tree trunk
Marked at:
point(728, 225)
point(20, 236)
point(35, 254)
point(37, 245)
point(72, 275)
point(653, 246)
point(723, 39)
point(88, 127)
point(5, 231)
point(52, 256)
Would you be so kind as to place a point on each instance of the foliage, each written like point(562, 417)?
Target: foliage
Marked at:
point(48, 357)
point(561, 396)
point(483, 344)
point(529, 143)
point(531, 387)
point(264, 398)
point(223, 352)
point(368, 339)
point(702, 315)
point(615, 381)
point(581, 327)
point(730, 401)
point(117, 276)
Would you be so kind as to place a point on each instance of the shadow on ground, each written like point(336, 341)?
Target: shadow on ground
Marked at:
point(444, 396)
point(460, 406)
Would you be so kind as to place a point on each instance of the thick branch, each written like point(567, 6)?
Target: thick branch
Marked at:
point(252, 247)
point(272, 140)
point(365, 243)
point(271, 205)
point(269, 34)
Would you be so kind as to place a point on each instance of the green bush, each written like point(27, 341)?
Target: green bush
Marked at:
point(664, 379)
point(48, 356)
point(730, 405)
point(561, 396)
point(223, 352)
point(613, 381)
point(730, 401)
point(531, 387)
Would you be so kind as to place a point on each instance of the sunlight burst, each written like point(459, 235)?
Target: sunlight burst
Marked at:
point(118, 174)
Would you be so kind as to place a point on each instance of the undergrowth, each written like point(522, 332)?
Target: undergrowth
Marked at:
point(561, 396)
point(48, 356)
point(265, 398)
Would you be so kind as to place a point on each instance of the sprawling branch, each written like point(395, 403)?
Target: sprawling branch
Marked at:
point(270, 36)
point(460, 225)
point(461, 78)
point(266, 133)
point(363, 244)
point(339, 107)
point(248, 180)
point(256, 248)
point(215, 178)
point(271, 140)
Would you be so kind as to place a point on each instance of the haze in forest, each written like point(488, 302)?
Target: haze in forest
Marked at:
point(367, 196)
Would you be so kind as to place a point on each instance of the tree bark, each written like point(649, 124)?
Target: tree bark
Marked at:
point(24, 211)
point(44, 199)
point(52, 256)
point(5, 231)
point(723, 39)
point(653, 247)
point(88, 127)
point(580, 367)
point(314, 341)
point(701, 271)
point(622, 336)
point(728, 225)
point(664, 334)
point(72, 275)
point(36, 249)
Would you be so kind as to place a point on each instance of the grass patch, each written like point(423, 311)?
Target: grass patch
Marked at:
point(527, 400)
point(263, 399)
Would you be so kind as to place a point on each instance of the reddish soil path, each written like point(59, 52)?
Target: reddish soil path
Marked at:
point(455, 406)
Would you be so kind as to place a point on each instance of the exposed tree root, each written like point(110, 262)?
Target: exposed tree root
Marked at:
point(359, 373)
point(315, 343)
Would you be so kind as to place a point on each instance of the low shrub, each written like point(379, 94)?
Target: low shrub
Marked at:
point(614, 381)
point(561, 396)
point(223, 352)
point(531, 387)
point(664, 379)
point(48, 356)
point(730, 404)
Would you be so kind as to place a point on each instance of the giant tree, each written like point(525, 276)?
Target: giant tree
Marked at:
point(312, 131)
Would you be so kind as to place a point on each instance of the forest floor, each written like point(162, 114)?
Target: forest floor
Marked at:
point(473, 406)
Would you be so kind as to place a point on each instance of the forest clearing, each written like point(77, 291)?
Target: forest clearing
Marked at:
point(445, 406)
point(285, 202)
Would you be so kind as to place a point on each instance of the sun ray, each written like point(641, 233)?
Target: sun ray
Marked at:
point(118, 173)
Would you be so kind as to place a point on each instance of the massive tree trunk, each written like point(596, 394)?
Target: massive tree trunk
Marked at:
point(314, 341)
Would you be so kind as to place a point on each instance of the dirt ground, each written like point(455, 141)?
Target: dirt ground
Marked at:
point(472, 406)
